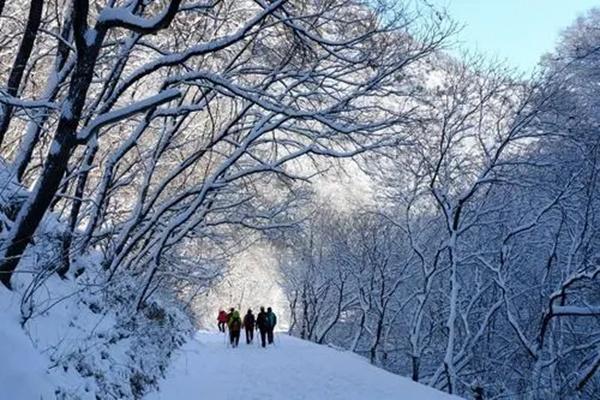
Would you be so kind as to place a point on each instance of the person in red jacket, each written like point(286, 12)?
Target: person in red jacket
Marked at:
point(222, 320)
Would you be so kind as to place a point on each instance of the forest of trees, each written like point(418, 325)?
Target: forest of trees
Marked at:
point(477, 271)
point(161, 137)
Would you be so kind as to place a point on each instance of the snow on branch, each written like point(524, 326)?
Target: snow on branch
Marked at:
point(121, 17)
point(576, 311)
point(125, 112)
point(212, 46)
point(19, 103)
point(589, 372)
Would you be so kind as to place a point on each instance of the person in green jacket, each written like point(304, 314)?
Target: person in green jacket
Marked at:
point(271, 320)
point(235, 326)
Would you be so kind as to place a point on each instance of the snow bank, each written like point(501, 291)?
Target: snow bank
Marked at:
point(78, 338)
point(24, 370)
point(79, 344)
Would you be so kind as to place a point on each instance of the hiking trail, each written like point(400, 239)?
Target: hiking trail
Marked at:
point(292, 369)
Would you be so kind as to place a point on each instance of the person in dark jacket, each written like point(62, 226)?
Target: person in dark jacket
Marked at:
point(249, 326)
point(261, 325)
point(235, 326)
point(271, 320)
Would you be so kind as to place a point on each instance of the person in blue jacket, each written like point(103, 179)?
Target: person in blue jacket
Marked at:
point(271, 321)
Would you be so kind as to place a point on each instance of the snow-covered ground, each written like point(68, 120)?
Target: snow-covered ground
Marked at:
point(23, 373)
point(292, 369)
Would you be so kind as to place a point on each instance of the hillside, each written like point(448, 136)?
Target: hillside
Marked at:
point(292, 369)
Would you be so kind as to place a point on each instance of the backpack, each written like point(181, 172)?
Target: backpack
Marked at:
point(261, 320)
point(236, 324)
point(271, 320)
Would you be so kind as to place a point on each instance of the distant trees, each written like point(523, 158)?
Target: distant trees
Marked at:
point(488, 231)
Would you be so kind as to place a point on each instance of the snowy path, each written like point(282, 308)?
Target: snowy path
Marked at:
point(292, 369)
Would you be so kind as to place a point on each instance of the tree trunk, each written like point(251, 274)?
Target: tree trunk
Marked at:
point(36, 205)
point(373, 352)
point(78, 195)
point(415, 368)
point(65, 137)
point(64, 141)
point(361, 326)
point(16, 74)
point(304, 313)
point(62, 70)
point(92, 149)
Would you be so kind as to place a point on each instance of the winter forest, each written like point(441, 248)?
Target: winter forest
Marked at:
point(433, 211)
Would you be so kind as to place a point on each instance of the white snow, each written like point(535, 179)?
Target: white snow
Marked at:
point(127, 111)
point(67, 109)
point(121, 15)
point(292, 369)
point(90, 36)
point(23, 373)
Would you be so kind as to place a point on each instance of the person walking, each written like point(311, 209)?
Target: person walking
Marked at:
point(271, 320)
point(222, 320)
point(249, 326)
point(235, 326)
point(261, 326)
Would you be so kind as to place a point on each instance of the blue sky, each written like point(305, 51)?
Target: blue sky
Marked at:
point(519, 31)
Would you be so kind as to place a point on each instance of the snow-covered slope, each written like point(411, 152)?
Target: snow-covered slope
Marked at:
point(78, 338)
point(80, 346)
point(23, 373)
point(292, 369)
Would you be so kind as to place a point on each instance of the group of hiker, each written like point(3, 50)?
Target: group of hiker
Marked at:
point(264, 322)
